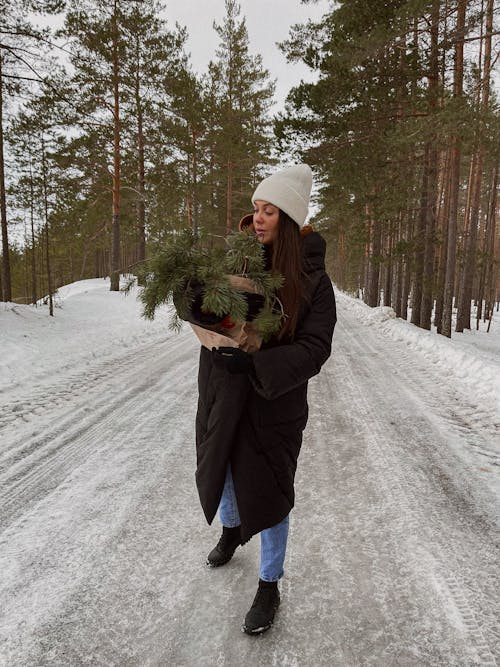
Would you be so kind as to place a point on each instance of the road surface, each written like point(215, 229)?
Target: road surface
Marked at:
point(393, 554)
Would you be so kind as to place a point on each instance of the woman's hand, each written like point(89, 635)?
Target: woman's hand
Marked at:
point(235, 360)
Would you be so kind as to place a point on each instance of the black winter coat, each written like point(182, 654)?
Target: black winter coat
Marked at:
point(255, 423)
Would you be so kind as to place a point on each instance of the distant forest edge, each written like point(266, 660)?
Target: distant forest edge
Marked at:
point(110, 142)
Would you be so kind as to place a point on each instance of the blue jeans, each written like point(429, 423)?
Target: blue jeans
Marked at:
point(272, 540)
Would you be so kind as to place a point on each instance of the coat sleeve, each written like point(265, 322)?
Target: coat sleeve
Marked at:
point(280, 369)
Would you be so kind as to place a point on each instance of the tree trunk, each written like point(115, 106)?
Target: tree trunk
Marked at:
point(229, 196)
point(372, 286)
point(469, 266)
point(431, 180)
point(189, 210)
point(342, 262)
point(115, 220)
point(442, 218)
point(141, 180)
point(399, 272)
point(430, 235)
point(195, 181)
point(490, 237)
point(388, 270)
point(32, 221)
point(6, 278)
point(50, 288)
point(419, 237)
point(454, 179)
point(463, 314)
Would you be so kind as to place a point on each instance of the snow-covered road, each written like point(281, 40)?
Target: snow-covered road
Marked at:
point(394, 548)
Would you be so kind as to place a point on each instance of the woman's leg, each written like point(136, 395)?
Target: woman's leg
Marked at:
point(273, 550)
point(273, 541)
point(230, 519)
point(228, 509)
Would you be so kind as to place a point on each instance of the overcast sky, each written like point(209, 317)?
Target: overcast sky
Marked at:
point(268, 22)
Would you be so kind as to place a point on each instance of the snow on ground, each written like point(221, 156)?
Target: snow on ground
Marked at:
point(472, 356)
point(393, 556)
point(471, 359)
point(90, 322)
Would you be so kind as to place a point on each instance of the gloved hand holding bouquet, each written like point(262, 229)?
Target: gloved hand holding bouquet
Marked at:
point(222, 289)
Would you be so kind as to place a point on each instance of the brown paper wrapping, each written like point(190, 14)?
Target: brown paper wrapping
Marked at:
point(242, 335)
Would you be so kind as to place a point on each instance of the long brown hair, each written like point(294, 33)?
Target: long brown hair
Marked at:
point(287, 260)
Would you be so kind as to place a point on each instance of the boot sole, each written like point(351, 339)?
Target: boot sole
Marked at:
point(219, 564)
point(262, 628)
point(255, 631)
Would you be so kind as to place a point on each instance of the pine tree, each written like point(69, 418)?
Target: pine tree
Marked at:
point(154, 68)
point(238, 104)
point(454, 175)
point(21, 57)
point(470, 259)
point(98, 47)
point(390, 138)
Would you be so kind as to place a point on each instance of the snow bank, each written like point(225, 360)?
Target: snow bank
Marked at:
point(89, 323)
point(472, 357)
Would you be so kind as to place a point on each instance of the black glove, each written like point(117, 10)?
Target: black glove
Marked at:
point(255, 303)
point(235, 360)
point(198, 315)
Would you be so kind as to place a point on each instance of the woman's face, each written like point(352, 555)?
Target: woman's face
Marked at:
point(265, 221)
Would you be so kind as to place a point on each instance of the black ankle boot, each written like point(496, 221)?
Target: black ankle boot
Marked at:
point(261, 614)
point(226, 546)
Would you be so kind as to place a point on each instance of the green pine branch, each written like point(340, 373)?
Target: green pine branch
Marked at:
point(190, 259)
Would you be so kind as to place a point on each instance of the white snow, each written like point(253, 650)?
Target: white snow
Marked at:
point(471, 358)
point(90, 323)
point(393, 556)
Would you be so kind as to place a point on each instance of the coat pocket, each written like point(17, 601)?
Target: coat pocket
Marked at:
point(290, 408)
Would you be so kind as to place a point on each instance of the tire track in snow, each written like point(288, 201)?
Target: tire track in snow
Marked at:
point(473, 595)
point(472, 422)
point(93, 386)
point(47, 394)
point(47, 461)
point(94, 548)
point(465, 414)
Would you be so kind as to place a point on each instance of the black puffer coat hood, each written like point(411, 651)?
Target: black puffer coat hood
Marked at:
point(255, 423)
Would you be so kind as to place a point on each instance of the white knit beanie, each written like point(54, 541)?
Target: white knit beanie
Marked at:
point(289, 190)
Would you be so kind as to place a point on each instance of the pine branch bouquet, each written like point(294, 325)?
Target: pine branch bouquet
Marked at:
point(190, 264)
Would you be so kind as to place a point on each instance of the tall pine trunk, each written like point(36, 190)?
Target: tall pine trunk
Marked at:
point(141, 180)
point(442, 218)
point(374, 249)
point(468, 273)
point(398, 287)
point(6, 278)
point(489, 248)
point(229, 196)
point(50, 287)
point(431, 180)
point(195, 180)
point(419, 239)
point(115, 221)
point(388, 269)
point(33, 241)
point(454, 179)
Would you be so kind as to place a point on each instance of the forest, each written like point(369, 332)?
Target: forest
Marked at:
point(110, 142)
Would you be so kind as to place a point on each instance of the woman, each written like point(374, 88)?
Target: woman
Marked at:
point(252, 408)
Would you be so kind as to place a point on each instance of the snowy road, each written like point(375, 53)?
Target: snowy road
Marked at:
point(394, 547)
